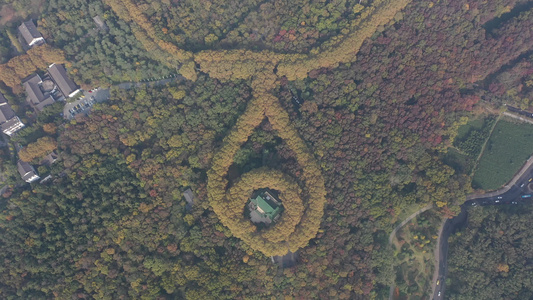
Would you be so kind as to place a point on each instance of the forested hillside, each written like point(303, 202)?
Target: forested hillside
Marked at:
point(491, 258)
point(357, 98)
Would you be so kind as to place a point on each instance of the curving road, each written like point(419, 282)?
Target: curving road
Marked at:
point(517, 192)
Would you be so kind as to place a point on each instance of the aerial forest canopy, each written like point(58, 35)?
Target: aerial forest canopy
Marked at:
point(303, 216)
point(344, 107)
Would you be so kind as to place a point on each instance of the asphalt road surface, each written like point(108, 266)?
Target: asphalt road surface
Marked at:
point(519, 111)
point(519, 194)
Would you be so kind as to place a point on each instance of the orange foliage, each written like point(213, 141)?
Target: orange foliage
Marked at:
point(35, 59)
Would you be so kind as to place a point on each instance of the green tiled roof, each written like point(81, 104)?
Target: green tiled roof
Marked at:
point(270, 210)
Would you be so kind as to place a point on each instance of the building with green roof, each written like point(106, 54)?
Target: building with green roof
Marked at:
point(264, 208)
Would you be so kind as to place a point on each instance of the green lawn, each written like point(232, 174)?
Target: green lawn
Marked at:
point(510, 145)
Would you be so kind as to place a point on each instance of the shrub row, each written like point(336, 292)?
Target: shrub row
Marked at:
point(269, 243)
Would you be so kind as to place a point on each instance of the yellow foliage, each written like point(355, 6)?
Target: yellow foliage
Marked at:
point(300, 221)
point(130, 158)
point(177, 93)
point(40, 148)
point(245, 64)
point(503, 268)
point(24, 65)
point(143, 207)
point(50, 128)
point(188, 71)
point(440, 204)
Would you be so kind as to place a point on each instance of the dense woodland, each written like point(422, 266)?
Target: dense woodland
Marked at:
point(113, 223)
point(98, 56)
point(491, 258)
point(5, 51)
point(513, 86)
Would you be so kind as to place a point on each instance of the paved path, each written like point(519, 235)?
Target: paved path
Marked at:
point(508, 114)
point(412, 216)
point(84, 104)
point(395, 230)
point(129, 85)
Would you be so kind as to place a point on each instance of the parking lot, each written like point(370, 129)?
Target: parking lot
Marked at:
point(84, 104)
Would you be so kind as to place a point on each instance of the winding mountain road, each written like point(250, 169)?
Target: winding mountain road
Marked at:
point(517, 192)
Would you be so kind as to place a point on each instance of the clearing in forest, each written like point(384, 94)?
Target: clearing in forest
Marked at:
point(509, 146)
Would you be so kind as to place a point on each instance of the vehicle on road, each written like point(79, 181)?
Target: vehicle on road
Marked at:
point(522, 185)
point(438, 281)
point(500, 197)
point(514, 202)
point(438, 295)
point(497, 201)
point(473, 204)
point(530, 179)
point(526, 196)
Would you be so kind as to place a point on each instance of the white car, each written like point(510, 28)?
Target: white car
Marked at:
point(438, 295)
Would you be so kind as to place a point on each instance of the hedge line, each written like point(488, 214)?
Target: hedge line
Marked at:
point(266, 105)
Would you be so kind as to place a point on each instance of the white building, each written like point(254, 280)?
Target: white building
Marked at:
point(9, 122)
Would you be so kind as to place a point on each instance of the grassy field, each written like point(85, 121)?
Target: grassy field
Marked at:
point(507, 149)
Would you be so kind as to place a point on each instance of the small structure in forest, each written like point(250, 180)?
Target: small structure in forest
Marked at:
point(189, 197)
point(265, 208)
point(27, 172)
point(30, 34)
point(101, 23)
